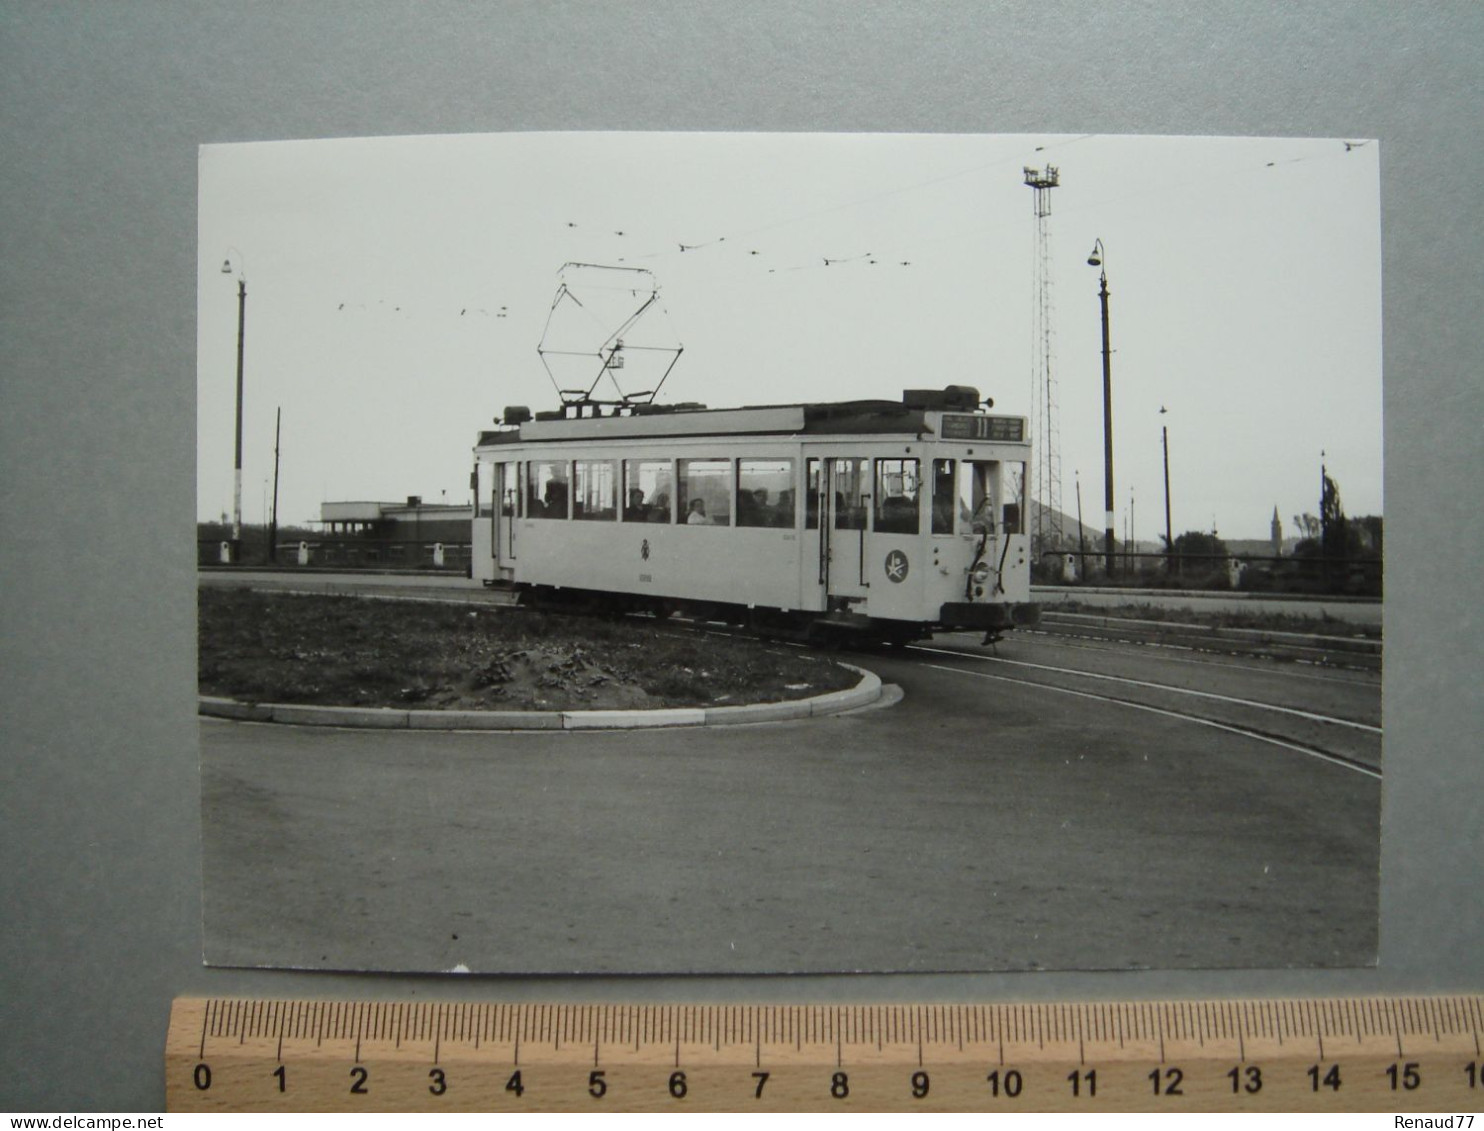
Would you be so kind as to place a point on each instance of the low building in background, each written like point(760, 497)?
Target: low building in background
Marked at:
point(413, 521)
point(406, 535)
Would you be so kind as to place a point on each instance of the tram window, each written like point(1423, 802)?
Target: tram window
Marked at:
point(648, 490)
point(511, 498)
point(850, 491)
point(1014, 510)
point(547, 492)
point(705, 492)
point(484, 489)
point(896, 496)
point(943, 496)
point(813, 481)
point(765, 492)
point(596, 497)
point(976, 487)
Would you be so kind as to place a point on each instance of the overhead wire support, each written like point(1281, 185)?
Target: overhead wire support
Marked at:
point(1046, 480)
point(610, 349)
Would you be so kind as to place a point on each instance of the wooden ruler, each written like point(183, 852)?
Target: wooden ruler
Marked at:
point(1393, 1054)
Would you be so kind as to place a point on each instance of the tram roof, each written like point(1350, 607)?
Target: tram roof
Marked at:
point(836, 418)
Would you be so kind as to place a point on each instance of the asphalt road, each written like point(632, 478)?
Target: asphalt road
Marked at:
point(1055, 805)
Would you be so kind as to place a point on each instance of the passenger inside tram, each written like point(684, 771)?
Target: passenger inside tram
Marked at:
point(637, 510)
point(554, 499)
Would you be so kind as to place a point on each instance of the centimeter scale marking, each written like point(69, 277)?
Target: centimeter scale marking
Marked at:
point(1399, 1054)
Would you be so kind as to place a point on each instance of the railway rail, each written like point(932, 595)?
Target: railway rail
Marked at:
point(1347, 736)
point(1255, 683)
point(1340, 739)
point(1352, 651)
point(1085, 803)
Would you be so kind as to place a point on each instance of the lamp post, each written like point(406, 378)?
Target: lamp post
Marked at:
point(229, 268)
point(1096, 260)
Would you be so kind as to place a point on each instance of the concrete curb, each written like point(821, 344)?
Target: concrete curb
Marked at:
point(378, 718)
point(484, 720)
point(864, 693)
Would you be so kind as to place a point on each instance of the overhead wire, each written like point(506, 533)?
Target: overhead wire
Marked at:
point(736, 236)
point(822, 262)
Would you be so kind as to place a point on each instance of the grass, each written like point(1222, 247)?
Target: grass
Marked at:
point(355, 651)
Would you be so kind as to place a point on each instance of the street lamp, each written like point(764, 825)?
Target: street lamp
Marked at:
point(234, 267)
point(1096, 260)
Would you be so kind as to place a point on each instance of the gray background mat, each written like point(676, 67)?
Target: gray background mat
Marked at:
point(102, 110)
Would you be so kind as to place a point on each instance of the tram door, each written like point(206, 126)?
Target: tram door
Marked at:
point(506, 500)
point(844, 502)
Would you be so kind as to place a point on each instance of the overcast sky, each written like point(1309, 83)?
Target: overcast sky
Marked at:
point(398, 289)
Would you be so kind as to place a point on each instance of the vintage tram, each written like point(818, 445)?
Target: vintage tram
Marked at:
point(873, 520)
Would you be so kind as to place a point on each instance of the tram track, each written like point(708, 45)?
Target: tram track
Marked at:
point(1332, 737)
point(1329, 736)
point(1057, 679)
point(1161, 687)
point(1337, 759)
point(1169, 654)
point(1010, 810)
point(1354, 652)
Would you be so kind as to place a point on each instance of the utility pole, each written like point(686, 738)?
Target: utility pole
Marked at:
point(1081, 530)
point(273, 522)
point(1133, 537)
point(1164, 432)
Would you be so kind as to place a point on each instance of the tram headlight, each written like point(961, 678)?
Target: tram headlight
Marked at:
point(980, 572)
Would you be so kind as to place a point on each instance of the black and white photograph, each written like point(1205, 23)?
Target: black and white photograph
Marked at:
point(1042, 379)
point(660, 553)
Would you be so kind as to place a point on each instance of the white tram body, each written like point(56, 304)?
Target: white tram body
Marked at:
point(888, 519)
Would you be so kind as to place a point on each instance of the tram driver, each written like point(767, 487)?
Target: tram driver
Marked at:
point(697, 515)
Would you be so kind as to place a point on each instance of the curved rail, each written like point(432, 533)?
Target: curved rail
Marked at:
point(1121, 690)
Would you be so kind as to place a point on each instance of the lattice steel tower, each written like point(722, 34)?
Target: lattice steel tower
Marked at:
point(1046, 478)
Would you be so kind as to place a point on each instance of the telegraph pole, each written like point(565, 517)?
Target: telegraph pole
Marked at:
point(1164, 433)
point(273, 522)
point(1081, 530)
point(1133, 534)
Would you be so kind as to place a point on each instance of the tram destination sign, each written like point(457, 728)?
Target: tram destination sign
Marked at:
point(961, 426)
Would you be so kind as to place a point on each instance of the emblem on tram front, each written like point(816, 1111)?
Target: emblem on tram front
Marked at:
point(896, 566)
